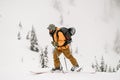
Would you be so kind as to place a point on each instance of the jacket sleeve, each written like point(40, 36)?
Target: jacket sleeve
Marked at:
point(61, 39)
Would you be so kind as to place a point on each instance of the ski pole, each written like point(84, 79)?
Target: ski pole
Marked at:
point(65, 64)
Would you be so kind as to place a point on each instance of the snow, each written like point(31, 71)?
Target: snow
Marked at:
point(96, 22)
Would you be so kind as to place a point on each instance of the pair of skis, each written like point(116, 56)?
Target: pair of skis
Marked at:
point(58, 71)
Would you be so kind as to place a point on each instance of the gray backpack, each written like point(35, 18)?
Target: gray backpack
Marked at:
point(67, 32)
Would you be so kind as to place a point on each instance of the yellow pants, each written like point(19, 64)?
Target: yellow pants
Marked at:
point(66, 53)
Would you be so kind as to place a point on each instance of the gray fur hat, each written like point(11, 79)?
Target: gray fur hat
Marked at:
point(51, 27)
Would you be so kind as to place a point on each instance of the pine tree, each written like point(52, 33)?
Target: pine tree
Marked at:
point(19, 32)
point(118, 66)
point(110, 70)
point(19, 36)
point(44, 58)
point(119, 63)
point(105, 68)
point(93, 66)
point(97, 65)
point(33, 41)
point(102, 66)
point(28, 35)
point(114, 70)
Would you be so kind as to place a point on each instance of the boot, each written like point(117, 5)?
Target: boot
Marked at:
point(56, 69)
point(75, 68)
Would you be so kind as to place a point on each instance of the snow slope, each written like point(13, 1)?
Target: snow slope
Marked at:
point(96, 22)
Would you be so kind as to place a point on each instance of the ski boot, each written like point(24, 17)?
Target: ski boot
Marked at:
point(56, 69)
point(76, 68)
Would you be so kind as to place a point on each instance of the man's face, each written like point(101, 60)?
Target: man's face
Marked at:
point(50, 30)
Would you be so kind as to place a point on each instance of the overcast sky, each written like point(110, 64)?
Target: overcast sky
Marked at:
point(94, 20)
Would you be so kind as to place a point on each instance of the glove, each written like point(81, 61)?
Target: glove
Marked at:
point(55, 44)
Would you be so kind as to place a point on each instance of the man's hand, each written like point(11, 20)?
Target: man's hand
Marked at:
point(55, 44)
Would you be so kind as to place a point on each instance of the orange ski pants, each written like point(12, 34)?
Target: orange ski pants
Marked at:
point(66, 53)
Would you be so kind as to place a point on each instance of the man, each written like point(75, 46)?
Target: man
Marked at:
point(58, 42)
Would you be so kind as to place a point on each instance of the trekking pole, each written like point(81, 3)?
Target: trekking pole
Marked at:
point(65, 64)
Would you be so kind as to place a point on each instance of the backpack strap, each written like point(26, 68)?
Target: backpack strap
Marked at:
point(52, 35)
point(56, 31)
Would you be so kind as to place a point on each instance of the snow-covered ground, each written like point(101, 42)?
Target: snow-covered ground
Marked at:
point(96, 23)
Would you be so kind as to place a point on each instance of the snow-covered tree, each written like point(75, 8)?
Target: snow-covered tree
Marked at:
point(28, 35)
point(44, 58)
point(102, 66)
point(110, 69)
point(19, 31)
point(19, 36)
point(114, 70)
point(118, 66)
point(33, 41)
point(96, 65)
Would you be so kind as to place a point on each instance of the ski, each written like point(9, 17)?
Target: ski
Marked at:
point(36, 73)
point(42, 72)
point(79, 70)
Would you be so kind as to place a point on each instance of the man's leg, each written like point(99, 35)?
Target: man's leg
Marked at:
point(56, 54)
point(68, 55)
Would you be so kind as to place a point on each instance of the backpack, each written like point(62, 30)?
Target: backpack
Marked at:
point(67, 33)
